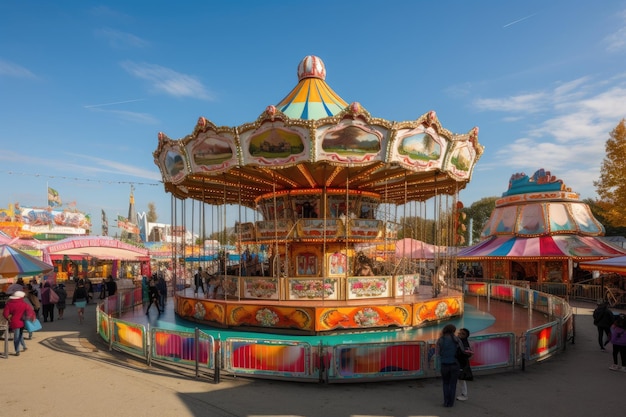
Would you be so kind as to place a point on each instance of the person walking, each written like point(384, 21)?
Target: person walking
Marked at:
point(47, 306)
point(15, 310)
point(79, 299)
point(154, 296)
point(603, 319)
point(618, 340)
point(60, 290)
point(447, 346)
point(198, 281)
point(162, 288)
point(463, 358)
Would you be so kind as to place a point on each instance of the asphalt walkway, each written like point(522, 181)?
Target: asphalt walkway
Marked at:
point(68, 371)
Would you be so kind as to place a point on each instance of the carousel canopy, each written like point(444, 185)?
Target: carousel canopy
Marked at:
point(100, 247)
point(313, 140)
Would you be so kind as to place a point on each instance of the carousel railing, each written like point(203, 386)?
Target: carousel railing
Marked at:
point(209, 356)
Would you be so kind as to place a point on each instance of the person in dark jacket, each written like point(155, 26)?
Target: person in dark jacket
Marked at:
point(153, 292)
point(603, 319)
point(464, 360)
point(447, 345)
point(111, 286)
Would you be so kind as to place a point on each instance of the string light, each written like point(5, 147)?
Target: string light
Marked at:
point(82, 179)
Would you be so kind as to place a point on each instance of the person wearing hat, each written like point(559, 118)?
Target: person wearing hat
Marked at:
point(14, 311)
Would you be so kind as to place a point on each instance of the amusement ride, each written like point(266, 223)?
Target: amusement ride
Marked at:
point(325, 180)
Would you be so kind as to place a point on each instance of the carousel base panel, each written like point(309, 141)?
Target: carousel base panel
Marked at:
point(320, 317)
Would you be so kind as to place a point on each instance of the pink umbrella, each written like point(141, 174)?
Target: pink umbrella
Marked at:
point(416, 249)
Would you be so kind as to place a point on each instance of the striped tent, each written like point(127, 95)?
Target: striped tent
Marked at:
point(545, 247)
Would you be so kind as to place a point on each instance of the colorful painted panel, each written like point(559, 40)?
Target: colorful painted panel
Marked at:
point(542, 341)
point(378, 359)
point(419, 149)
point(130, 337)
point(271, 229)
point(198, 309)
point(437, 310)
point(299, 318)
point(461, 159)
point(314, 228)
point(180, 347)
point(212, 153)
point(585, 220)
point(368, 287)
point(263, 357)
point(245, 231)
point(276, 146)
point(313, 289)
point(407, 284)
point(351, 143)
point(174, 164)
point(263, 288)
point(531, 220)
point(362, 317)
point(365, 229)
point(337, 264)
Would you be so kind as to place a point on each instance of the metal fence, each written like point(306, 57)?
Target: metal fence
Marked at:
point(210, 357)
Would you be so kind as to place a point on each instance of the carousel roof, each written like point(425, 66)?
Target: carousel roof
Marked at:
point(544, 247)
point(313, 140)
point(539, 217)
point(617, 265)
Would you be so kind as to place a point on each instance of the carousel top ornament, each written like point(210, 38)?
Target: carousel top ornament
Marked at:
point(314, 140)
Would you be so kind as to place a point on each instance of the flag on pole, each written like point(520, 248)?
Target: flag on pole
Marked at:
point(54, 200)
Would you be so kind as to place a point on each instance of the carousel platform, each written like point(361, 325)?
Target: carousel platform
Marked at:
point(320, 316)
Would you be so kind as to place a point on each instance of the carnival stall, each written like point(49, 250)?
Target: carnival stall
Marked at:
point(96, 257)
point(539, 232)
point(321, 176)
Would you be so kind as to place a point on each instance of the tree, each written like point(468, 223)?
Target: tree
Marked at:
point(611, 187)
point(609, 229)
point(479, 212)
point(152, 215)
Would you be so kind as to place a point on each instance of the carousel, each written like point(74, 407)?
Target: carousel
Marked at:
point(323, 177)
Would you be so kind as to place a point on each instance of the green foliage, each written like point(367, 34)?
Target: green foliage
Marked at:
point(611, 187)
point(479, 212)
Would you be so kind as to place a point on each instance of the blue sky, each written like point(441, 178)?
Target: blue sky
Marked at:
point(86, 86)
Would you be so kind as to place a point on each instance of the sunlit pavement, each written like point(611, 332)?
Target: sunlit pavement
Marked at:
point(68, 371)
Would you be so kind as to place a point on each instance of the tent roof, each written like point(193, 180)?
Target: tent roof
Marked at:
point(101, 247)
point(544, 247)
point(617, 265)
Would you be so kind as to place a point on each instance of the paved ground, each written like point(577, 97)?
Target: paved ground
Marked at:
point(67, 371)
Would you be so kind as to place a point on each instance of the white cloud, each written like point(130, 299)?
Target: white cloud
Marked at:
point(168, 81)
point(616, 41)
point(527, 103)
point(569, 139)
point(118, 39)
point(10, 69)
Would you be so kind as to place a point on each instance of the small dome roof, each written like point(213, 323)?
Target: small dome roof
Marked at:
point(312, 98)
